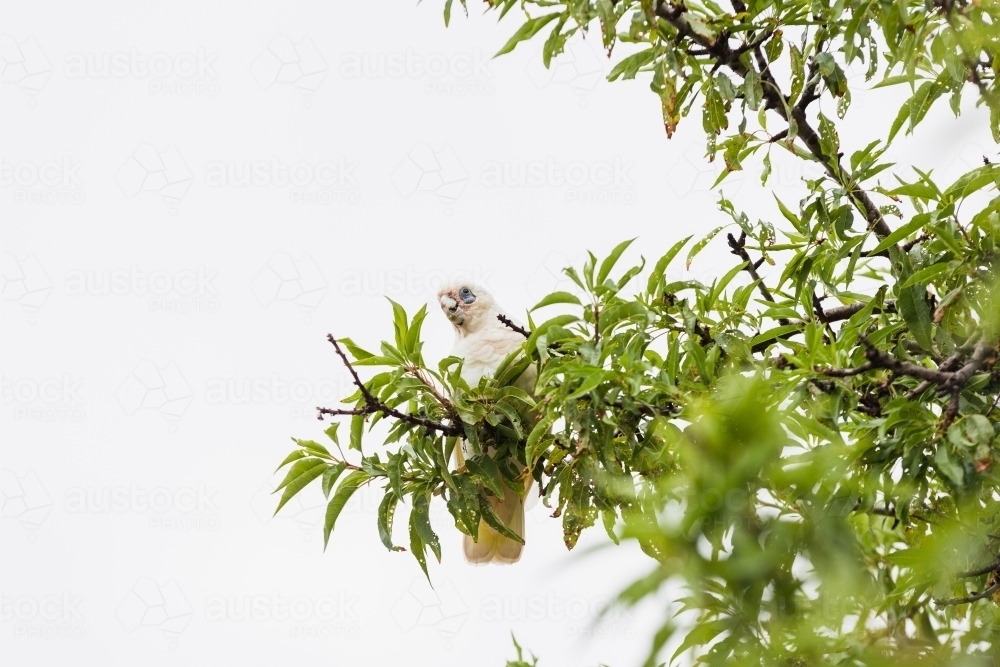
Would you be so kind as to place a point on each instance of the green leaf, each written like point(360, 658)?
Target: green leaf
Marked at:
point(301, 466)
point(535, 439)
point(490, 517)
point(355, 351)
point(657, 277)
point(294, 456)
point(386, 511)
point(608, 518)
point(417, 548)
point(701, 635)
point(557, 297)
point(912, 305)
point(753, 92)
point(700, 245)
point(926, 275)
point(314, 448)
point(394, 468)
point(526, 31)
point(311, 469)
point(916, 224)
point(609, 263)
point(592, 381)
point(357, 429)
point(915, 108)
point(340, 498)
point(331, 475)
point(412, 340)
point(700, 27)
point(512, 416)
point(485, 470)
point(628, 67)
point(420, 521)
point(971, 431)
point(776, 332)
point(463, 503)
point(948, 467)
point(542, 329)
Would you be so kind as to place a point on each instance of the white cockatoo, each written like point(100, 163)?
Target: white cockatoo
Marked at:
point(482, 341)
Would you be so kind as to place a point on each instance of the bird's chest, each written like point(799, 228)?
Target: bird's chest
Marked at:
point(482, 353)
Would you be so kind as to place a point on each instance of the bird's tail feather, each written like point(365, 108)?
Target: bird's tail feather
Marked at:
point(492, 547)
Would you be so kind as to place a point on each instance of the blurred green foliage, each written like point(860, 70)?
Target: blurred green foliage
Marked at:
point(809, 455)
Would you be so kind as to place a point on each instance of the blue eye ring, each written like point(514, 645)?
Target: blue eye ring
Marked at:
point(466, 295)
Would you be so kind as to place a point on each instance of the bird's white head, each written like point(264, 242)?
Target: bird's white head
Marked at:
point(467, 306)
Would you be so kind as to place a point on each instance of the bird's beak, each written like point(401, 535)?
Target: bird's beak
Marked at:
point(449, 305)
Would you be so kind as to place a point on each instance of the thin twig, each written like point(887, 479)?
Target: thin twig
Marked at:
point(725, 55)
point(373, 405)
point(985, 569)
point(972, 598)
point(839, 313)
point(738, 248)
point(510, 325)
point(849, 372)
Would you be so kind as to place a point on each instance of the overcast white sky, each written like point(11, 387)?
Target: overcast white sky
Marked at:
point(192, 195)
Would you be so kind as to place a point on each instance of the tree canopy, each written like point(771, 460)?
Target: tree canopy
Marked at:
point(809, 443)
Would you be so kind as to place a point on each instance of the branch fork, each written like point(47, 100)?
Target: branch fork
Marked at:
point(373, 405)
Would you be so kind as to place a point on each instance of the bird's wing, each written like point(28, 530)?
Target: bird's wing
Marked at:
point(484, 350)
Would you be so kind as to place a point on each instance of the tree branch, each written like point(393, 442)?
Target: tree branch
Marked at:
point(373, 405)
point(738, 248)
point(949, 381)
point(725, 55)
point(510, 325)
point(972, 598)
point(878, 359)
point(839, 313)
point(979, 571)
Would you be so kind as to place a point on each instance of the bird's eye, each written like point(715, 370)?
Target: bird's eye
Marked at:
point(466, 295)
